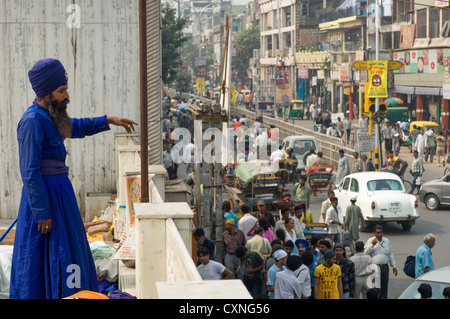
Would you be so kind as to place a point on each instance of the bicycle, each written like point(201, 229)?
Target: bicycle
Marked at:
point(446, 171)
point(407, 184)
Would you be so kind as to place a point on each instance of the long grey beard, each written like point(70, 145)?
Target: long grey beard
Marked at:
point(58, 113)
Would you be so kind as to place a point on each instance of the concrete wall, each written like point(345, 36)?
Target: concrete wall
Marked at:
point(102, 61)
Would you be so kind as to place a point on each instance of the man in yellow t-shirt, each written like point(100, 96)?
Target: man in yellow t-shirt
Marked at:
point(328, 283)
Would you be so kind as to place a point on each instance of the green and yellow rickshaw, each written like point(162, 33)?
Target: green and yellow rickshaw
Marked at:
point(297, 109)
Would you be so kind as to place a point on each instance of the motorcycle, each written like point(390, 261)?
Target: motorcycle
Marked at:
point(405, 139)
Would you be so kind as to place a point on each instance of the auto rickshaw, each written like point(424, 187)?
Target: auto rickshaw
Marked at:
point(296, 110)
point(426, 125)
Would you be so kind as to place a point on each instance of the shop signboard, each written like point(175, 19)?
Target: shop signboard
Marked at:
point(284, 95)
point(446, 91)
point(423, 61)
point(366, 142)
point(303, 73)
point(200, 61)
point(320, 74)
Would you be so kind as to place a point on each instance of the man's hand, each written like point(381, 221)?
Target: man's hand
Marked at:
point(120, 121)
point(45, 226)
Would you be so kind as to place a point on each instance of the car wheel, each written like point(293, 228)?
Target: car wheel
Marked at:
point(432, 202)
point(406, 226)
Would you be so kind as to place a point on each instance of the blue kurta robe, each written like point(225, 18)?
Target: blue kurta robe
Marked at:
point(60, 263)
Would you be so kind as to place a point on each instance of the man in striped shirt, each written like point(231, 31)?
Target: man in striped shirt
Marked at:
point(416, 170)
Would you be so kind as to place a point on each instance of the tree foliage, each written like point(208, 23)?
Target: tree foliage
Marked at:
point(172, 40)
point(183, 83)
point(245, 42)
point(193, 50)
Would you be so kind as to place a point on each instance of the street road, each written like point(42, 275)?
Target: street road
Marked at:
point(403, 243)
point(406, 243)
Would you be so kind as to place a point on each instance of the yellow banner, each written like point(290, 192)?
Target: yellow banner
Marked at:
point(233, 95)
point(199, 85)
point(377, 71)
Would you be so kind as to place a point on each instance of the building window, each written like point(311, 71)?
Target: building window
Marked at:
point(434, 22)
point(422, 23)
point(288, 17)
point(387, 41)
point(445, 16)
point(401, 11)
point(396, 35)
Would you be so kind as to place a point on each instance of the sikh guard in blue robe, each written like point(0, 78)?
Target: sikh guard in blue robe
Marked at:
point(51, 255)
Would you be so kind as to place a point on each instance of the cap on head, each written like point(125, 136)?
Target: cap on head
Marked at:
point(46, 76)
point(279, 254)
point(329, 254)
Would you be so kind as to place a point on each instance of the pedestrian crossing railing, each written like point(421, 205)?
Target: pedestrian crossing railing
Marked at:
point(329, 145)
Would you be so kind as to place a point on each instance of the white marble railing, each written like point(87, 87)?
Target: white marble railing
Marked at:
point(178, 257)
point(163, 242)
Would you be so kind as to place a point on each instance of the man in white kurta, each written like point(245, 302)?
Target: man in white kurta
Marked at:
point(420, 143)
point(343, 168)
point(287, 285)
point(334, 220)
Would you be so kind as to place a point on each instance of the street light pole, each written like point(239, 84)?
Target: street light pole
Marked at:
point(377, 100)
point(199, 15)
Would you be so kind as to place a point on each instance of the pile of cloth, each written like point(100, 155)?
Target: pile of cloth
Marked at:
point(107, 269)
point(5, 270)
point(101, 228)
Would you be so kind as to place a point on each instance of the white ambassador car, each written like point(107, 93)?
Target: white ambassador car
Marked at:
point(438, 279)
point(381, 196)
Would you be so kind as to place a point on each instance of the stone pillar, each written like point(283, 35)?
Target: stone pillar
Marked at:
point(151, 249)
point(420, 112)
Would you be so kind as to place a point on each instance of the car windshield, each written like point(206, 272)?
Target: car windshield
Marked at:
point(434, 128)
point(384, 185)
point(436, 287)
point(302, 146)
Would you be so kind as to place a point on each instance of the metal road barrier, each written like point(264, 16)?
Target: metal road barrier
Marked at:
point(329, 145)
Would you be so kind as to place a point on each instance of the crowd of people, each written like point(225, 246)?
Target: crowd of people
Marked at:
point(176, 115)
point(274, 259)
point(272, 254)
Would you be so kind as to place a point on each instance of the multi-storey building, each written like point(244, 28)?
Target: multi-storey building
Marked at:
point(419, 36)
point(277, 47)
point(294, 45)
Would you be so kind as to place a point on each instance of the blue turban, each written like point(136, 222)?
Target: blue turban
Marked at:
point(304, 243)
point(46, 76)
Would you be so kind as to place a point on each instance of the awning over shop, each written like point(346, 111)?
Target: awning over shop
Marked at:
point(347, 22)
point(428, 91)
point(418, 90)
point(404, 89)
